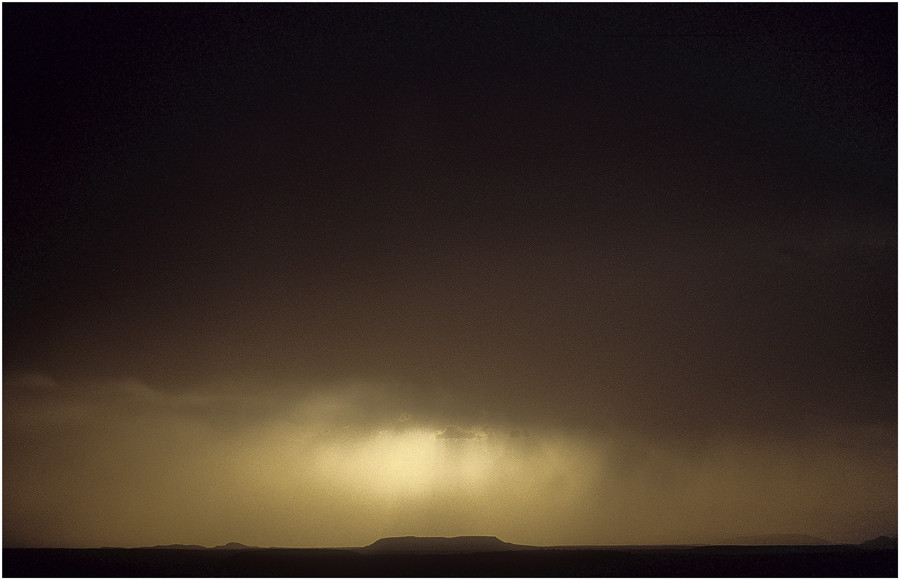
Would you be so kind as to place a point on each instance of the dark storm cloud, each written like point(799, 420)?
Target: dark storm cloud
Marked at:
point(259, 248)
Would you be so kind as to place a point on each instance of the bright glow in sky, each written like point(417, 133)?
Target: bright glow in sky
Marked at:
point(221, 467)
point(422, 478)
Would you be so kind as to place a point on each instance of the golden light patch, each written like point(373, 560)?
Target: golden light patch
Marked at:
point(419, 463)
point(384, 463)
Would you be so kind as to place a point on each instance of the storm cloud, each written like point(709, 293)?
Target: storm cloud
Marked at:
point(311, 276)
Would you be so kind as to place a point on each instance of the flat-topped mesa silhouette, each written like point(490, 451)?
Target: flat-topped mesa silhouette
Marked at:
point(433, 545)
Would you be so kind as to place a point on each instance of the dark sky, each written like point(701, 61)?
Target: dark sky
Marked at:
point(308, 275)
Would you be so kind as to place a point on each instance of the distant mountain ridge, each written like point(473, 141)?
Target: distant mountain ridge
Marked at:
point(228, 546)
point(473, 544)
point(432, 545)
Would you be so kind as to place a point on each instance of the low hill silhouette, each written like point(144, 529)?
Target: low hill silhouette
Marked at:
point(439, 545)
point(235, 546)
point(228, 546)
point(880, 543)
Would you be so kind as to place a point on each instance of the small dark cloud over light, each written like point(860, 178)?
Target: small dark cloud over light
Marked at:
point(456, 433)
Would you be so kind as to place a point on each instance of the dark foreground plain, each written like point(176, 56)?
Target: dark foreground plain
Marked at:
point(706, 561)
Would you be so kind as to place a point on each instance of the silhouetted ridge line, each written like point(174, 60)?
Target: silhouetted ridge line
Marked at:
point(880, 543)
point(235, 546)
point(228, 546)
